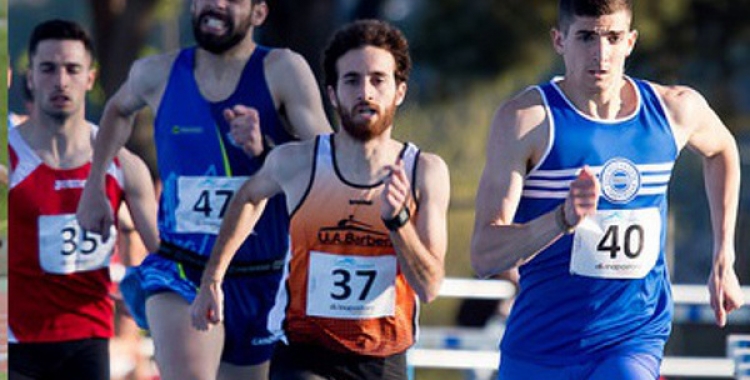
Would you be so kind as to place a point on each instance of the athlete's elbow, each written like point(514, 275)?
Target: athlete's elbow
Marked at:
point(428, 296)
point(487, 263)
point(431, 291)
point(478, 258)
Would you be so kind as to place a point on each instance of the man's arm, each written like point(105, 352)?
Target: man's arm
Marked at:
point(296, 97)
point(704, 133)
point(94, 213)
point(518, 136)
point(294, 87)
point(242, 214)
point(140, 198)
point(421, 246)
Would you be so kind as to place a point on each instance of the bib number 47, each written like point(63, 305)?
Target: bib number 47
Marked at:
point(203, 204)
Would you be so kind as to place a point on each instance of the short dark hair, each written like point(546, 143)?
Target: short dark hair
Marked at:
point(568, 9)
point(361, 33)
point(58, 29)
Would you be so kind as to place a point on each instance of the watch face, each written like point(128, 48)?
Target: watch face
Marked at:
point(399, 220)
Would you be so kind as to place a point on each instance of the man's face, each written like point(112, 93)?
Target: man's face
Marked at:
point(60, 76)
point(366, 95)
point(219, 25)
point(595, 48)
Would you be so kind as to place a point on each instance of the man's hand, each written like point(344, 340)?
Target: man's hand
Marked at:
point(396, 191)
point(583, 197)
point(94, 212)
point(244, 129)
point(725, 291)
point(208, 307)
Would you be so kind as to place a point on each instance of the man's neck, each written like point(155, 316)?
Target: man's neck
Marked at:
point(217, 75)
point(60, 143)
point(614, 102)
point(363, 162)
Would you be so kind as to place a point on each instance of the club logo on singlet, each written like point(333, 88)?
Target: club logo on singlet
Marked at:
point(620, 180)
point(187, 129)
point(352, 232)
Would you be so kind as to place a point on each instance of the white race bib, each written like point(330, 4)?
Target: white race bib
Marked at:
point(351, 287)
point(617, 244)
point(202, 202)
point(64, 247)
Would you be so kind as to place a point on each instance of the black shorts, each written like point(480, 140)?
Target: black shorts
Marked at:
point(307, 362)
point(75, 360)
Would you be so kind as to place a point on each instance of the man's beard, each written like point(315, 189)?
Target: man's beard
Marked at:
point(366, 130)
point(218, 44)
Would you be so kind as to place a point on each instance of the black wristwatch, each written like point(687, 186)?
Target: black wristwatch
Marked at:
point(398, 221)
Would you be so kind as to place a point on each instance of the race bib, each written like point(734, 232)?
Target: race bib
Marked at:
point(64, 247)
point(617, 244)
point(351, 287)
point(202, 202)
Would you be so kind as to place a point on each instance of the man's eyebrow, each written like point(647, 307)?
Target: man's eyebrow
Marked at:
point(589, 32)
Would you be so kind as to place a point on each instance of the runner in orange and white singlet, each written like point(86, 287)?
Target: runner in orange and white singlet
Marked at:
point(344, 287)
point(368, 227)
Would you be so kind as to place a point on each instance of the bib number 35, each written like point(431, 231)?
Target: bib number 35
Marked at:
point(64, 247)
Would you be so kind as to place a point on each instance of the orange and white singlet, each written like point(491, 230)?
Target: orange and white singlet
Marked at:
point(344, 289)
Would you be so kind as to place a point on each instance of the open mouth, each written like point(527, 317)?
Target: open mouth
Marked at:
point(365, 111)
point(59, 99)
point(213, 23)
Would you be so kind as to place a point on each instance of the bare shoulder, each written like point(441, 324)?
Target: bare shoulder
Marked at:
point(681, 102)
point(288, 159)
point(521, 113)
point(520, 130)
point(286, 70)
point(432, 162)
point(148, 76)
point(281, 59)
point(433, 178)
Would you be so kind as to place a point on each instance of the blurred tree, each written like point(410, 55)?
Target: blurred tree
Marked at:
point(306, 26)
point(705, 44)
point(121, 28)
point(467, 41)
point(702, 43)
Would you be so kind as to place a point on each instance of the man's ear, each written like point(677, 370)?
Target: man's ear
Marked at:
point(632, 38)
point(259, 13)
point(332, 96)
point(29, 78)
point(557, 40)
point(401, 92)
point(92, 78)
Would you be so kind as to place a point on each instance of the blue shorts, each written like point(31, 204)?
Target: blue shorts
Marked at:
point(638, 366)
point(247, 302)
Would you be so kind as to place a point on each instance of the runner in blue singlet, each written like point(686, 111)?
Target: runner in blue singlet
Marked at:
point(220, 107)
point(574, 194)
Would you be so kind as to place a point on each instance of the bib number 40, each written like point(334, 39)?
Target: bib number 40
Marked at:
point(629, 242)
